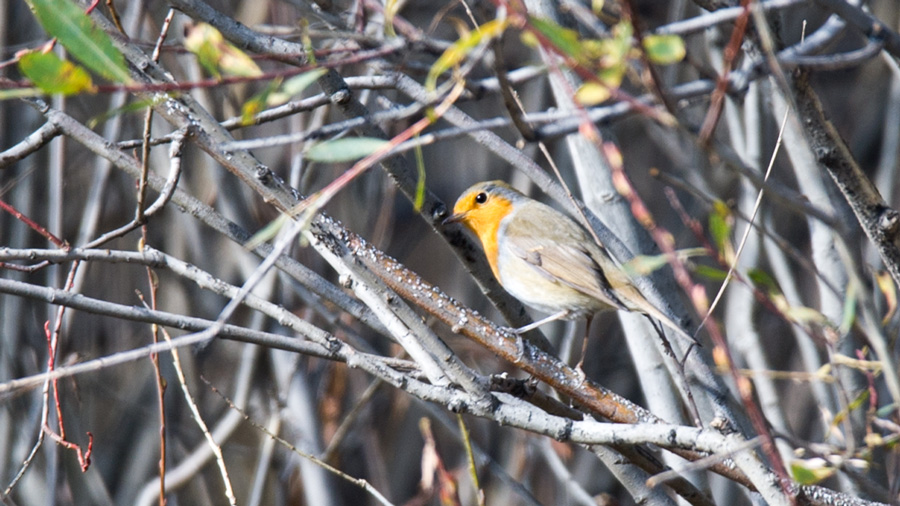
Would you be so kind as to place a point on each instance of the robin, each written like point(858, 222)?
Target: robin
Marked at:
point(545, 259)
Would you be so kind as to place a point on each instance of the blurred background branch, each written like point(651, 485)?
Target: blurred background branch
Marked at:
point(352, 124)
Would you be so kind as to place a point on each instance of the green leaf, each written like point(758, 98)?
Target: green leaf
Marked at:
point(266, 233)
point(20, 93)
point(461, 48)
point(852, 406)
point(277, 93)
point(810, 472)
point(643, 265)
point(77, 32)
point(208, 54)
point(306, 39)
point(258, 102)
point(848, 314)
point(710, 273)
point(420, 184)
point(613, 75)
point(855, 404)
point(886, 411)
point(295, 86)
point(564, 39)
point(136, 106)
point(54, 75)
point(345, 150)
point(664, 49)
point(298, 84)
point(620, 45)
point(720, 225)
point(763, 281)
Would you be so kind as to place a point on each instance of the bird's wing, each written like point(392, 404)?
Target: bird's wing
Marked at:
point(564, 253)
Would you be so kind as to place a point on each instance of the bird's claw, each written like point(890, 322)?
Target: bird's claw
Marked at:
point(520, 343)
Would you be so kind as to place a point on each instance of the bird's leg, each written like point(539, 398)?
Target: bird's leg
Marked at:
point(552, 318)
point(584, 343)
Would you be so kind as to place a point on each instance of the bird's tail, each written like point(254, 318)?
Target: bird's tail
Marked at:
point(639, 303)
point(665, 320)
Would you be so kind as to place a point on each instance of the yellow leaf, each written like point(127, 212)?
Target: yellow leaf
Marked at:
point(720, 358)
point(454, 54)
point(805, 315)
point(889, 291)
point(529, 39)
point(391, 7)
point(54, 75)
point(217, 55)
point(873, 440)
point(592, 94)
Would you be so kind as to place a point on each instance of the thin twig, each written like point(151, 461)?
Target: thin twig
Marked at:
point(359, 482)
point(198, 417)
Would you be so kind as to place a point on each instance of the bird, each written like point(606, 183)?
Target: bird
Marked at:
point(546, 260)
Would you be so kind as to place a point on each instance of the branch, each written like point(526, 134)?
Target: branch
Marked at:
point(433, 210)
point(880, 222)
point(35, 141)
point(305, 276)
point(867, 24)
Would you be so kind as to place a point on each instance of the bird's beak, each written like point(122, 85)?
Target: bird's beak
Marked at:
point(454, 218)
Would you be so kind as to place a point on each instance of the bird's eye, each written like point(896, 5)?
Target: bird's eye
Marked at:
point(481, 198)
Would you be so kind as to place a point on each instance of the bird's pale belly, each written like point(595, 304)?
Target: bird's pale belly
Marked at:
point(540, 291)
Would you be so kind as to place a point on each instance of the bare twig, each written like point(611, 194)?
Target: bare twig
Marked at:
point(35, 141)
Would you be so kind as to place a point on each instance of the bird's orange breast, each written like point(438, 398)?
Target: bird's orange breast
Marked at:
point(485, 223)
